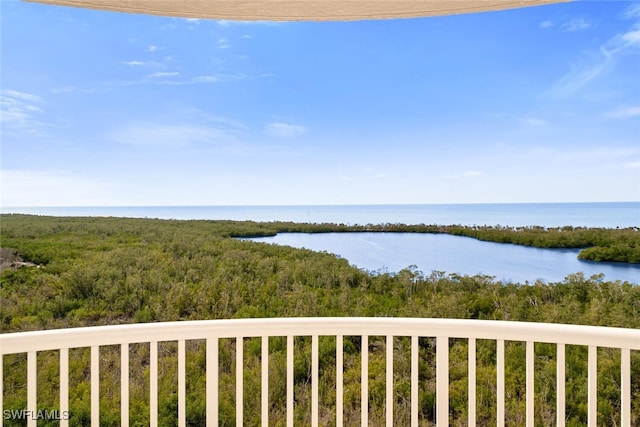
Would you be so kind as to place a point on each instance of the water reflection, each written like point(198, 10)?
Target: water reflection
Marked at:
point(454, 254)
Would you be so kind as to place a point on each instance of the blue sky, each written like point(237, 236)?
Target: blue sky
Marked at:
point(539, 104)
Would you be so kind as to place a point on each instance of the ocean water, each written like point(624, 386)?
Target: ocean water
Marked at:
point(395, 251)
point(611, 215)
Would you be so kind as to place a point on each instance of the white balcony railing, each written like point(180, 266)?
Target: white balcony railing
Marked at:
point(212, 331)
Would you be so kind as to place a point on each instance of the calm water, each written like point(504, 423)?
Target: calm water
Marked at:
point(394, 252)
point(454, 254)
point(521, 214)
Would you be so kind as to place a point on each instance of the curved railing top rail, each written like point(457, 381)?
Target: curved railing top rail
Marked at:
point(301, 326)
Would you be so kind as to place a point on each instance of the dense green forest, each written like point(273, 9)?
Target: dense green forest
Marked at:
point(96, 271)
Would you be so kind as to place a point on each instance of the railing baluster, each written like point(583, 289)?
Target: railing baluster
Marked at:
point(153, 384)
point(339, 380)
point(32, 387)
point(314, 380)
point(290, 381)
point(64, 387)
point(625, 388)
point(95, 385)
point(442, 381)
point(590, 337)
point(239, 381)
point(560, 385)
point(1, 385)
point(472, 382)
point(212, 382)
point(389, 381)
point(265, 381)
point(500, 382)
point(593, 384)
point(182, 398)
point(124, 384)
point(530, 384)
point(364, 390)
point(414, 381)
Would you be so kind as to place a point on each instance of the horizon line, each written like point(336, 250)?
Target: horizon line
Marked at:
point(2, 208)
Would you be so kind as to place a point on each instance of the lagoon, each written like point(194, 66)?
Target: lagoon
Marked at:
point(395, 251)
point(454, 254)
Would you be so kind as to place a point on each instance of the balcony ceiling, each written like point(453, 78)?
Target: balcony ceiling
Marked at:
point(299, 10)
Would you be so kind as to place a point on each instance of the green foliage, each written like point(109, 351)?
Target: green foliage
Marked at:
point(96, 271)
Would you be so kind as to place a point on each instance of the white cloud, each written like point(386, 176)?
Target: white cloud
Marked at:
point(634, 165)
point(192, 23)
point(625, 112)
point(534, 121)
point(284, 129)
point(164, 74)
point(215, 78)
point(223, 43)
point(597, 62)
point(632, 11)
point(160, 135)
point(152, 48)
point(230, 23)
point(207, 79)
point(582, 74)
point(546, 24)
point(52, 188)
point(631, 38)
point(467, 174)
point(175, 78)
point(137, 63)
point(575, 25)
point(229, 125)
point(18, 113)
point(22, 96)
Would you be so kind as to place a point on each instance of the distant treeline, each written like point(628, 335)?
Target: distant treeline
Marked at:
point(97, 271)
point(597, 244)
